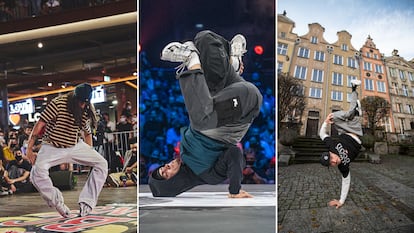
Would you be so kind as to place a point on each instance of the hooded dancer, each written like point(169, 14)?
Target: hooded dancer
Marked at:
point(221, 107)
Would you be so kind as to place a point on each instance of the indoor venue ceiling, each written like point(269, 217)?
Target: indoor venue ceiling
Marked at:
point(71, 54)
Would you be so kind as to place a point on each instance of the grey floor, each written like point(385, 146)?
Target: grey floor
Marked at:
point(207, 209)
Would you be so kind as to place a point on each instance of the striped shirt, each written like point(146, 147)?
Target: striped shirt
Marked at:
point(61, 130)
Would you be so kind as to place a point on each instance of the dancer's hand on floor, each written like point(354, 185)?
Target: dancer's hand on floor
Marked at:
point(241, 194)
point(336, 203)
point(329, 118)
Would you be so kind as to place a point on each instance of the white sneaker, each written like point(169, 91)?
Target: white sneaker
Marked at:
point(355, 82)
point(238, 49)
point(238, 46)
point(63, 210)
point(84, 209)
point(177, 52)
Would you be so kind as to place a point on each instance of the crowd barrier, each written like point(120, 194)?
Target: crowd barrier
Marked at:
point(113, 147)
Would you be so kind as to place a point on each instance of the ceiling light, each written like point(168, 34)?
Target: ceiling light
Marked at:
point(40, 45)
point(49, 84)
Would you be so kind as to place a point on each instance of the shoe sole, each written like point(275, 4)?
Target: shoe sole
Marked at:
point(167, 53)
point(239, 39)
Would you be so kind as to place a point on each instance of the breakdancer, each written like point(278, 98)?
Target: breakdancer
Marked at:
point(64, 120)
point(343, 151)
point(221, 106)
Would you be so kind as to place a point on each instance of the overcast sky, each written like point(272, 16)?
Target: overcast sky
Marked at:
point(390, 23)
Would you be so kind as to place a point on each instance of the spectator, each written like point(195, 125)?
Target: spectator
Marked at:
point(271, 172)
point(24, 137)
point(126, 111)
point(5, 188)
point(50, 7)
point(252, 175)
point(18, 173)
point(128, 176)
point(36, 6)
point(124, 128)
point(143, 172)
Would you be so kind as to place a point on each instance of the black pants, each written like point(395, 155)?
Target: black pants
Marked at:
point(216, 95)
point(229, 165)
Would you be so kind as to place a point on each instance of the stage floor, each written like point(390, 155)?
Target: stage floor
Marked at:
point(207, 209)
point(116, 212)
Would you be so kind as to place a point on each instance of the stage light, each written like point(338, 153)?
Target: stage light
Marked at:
point(258, 49)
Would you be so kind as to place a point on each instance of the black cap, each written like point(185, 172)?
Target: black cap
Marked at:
point(83, 92)
point(325, 159)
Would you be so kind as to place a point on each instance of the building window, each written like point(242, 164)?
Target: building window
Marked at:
point(367, 66)
point(376, 56)
point(402, 125)
point(402, 75)
point(410, 76)
point(317, 75)
point(315, 92)
point(319, 56)
point(404, 90)
point(378, 68)
point(381, 86)
point(337, 79)
point(283, 34)
point(303, 52)
point(395, 88)
point(352, 62)
point(368, 55)
point(282, 48)
point(393, 72)
point(348, 97)
point(279, 66)
point(300, 72)
point(369, 84)
point(344, 47)
point(336, 95)
point(337, 60)
point(397, 107)
point(314, 40)
point(410, 109)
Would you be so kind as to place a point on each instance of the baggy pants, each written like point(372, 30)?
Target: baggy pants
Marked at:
point(346, 121)
point(216, 95)
point(49, 156)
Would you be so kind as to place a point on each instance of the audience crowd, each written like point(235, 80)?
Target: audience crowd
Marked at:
point(114, 141)
point(162, 113)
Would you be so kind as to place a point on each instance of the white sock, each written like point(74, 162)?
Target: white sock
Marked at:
point(235, 63)
point(193, 60)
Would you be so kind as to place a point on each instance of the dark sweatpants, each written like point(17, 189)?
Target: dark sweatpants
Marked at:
point(216, 95)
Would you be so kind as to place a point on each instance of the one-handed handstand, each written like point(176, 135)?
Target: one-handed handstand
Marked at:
point(221, 107)
point(346, 148)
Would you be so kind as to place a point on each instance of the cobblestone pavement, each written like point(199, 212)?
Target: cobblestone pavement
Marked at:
point(381, 198)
